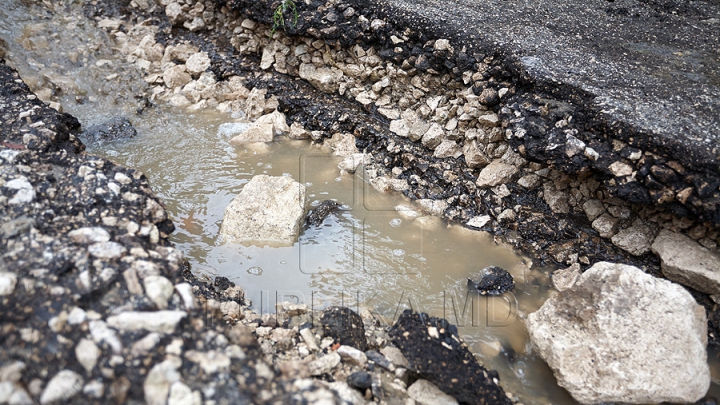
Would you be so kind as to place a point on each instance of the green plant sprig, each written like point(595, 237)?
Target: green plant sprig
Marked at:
point(279, 16)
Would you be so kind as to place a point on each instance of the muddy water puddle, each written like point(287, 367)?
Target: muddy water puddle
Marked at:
point(367, 255)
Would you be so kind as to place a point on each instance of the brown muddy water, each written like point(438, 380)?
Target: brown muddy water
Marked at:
point(368, 255)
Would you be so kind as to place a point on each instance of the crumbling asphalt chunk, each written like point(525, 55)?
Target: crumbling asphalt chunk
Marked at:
point(434, 351)
point(345, 326)
point(492, 280)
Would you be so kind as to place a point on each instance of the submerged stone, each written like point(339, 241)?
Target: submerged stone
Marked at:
point(493, 281)
point(112, 130)
point(269, 210)
point(317, 215)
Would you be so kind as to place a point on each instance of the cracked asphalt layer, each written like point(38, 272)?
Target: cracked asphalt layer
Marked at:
point(652, 64)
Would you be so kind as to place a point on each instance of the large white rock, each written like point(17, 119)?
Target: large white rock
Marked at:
point(496, 173)
point(686, 262)
point(155, 321)
point(269, 210)
point(324, 79)
point(620, 335)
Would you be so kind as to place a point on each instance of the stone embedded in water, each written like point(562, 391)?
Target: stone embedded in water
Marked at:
point(686, 262)
point(111, 130)
point(493, 281)
point(269, 210)
point(230, 129)
point(317, 215)
point(620, 335)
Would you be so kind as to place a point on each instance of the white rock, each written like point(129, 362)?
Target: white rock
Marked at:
point(144, 345)
point(89, 235)
point(268, 210)
point(62, 386)
point(565, 278)
point(101, 333)
point(181, 394)
point(324, 79)
point(489, 120)
point(620, 335)
point(157, 384)
point(87, 354)
point(442, 45)
point(434, 207)
point(496, 173)
point(342, 145)
point(351, 163)
point(426, 393)
point(352, 355)
point(433, 137)
point(620, 169)
point(7, 283)
point(479, 221)
point(686, 262)
point(210, 362)
point(157, 321)
point(324, 364)
point(176, 76)
point(447, 148)
point(106, 250)
point(474, 155)
point(231, 129)
point(185, 291)
point(197, 63)
point(77, 315)
point(309, 339)
point(262, 130)
point(606, 225)
point(635, 240)
point(25, 191)
point(159, 289)
point(395, 356)
point(297, 131)
point(94, 389)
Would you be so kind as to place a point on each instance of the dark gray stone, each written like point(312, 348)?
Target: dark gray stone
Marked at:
point(345, 326)
point(111, 130)
point(492, 281)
